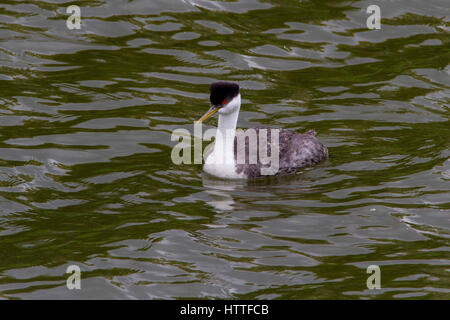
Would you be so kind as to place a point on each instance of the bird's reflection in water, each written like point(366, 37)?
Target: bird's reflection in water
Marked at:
point(221, 191)
point(224, 192)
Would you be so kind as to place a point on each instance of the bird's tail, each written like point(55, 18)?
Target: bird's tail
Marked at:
point(311, 132)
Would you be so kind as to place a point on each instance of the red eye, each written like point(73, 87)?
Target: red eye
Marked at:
point(224, 101)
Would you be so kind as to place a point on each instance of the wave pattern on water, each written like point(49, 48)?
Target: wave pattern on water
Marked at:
point(86, 177)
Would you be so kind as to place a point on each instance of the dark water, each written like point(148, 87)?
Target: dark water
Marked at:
point(86, 176)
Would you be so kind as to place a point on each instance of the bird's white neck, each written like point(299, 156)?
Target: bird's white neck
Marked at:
point(223, 153)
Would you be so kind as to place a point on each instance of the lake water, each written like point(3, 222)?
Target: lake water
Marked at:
point(86, 176)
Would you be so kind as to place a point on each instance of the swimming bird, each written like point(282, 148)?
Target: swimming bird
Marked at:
point(237, 156)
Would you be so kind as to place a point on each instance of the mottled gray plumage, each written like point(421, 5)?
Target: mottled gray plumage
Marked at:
point(295, 151)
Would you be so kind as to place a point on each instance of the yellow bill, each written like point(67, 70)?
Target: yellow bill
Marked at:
point(208, 114)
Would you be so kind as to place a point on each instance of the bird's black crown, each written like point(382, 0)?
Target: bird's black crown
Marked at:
point(222, 92)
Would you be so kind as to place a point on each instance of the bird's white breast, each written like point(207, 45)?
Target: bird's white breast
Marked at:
point(221, 170)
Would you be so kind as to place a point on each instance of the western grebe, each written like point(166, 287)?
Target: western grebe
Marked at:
point(294, 150)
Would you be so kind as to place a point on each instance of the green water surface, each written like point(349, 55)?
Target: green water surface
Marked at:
point(86, 176)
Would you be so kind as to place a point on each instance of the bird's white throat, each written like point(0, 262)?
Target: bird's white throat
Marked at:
point(221, 161)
